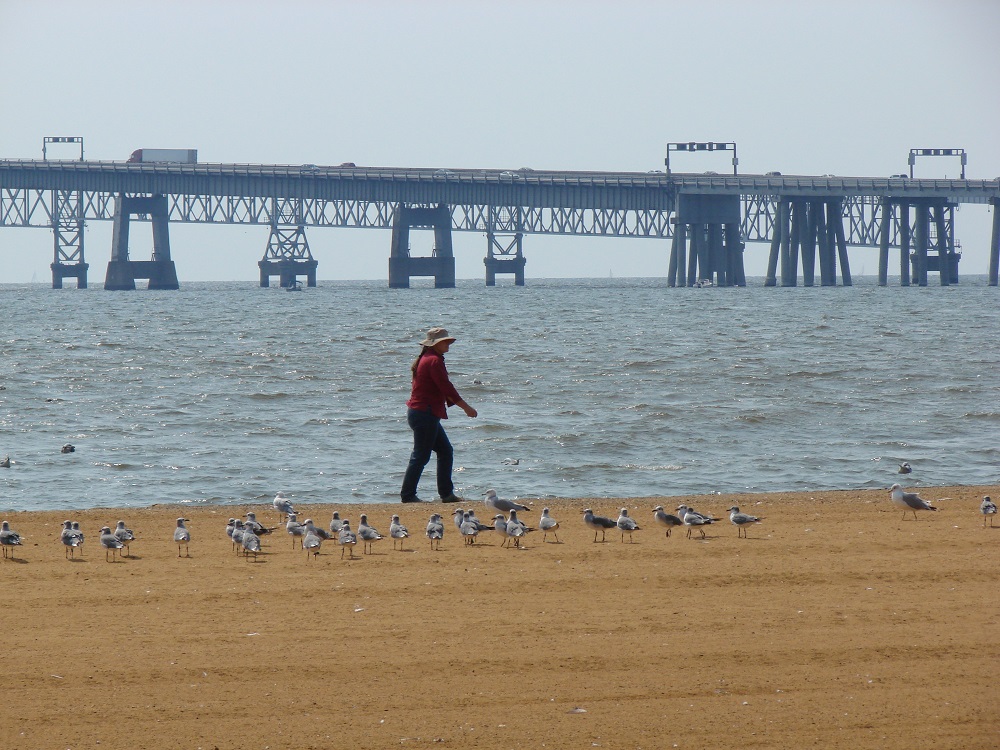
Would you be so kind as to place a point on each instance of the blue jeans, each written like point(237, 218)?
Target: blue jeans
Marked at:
point(428, 436)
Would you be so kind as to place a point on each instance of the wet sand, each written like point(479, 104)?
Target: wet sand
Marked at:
point(836, 624)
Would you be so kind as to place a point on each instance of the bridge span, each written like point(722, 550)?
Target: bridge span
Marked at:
point(808, 221)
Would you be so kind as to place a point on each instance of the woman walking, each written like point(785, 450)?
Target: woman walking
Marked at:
point(431, 395)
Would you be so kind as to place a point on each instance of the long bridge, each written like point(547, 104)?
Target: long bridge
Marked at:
point(809, 221)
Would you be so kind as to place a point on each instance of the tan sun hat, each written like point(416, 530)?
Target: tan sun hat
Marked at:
point(436, 336)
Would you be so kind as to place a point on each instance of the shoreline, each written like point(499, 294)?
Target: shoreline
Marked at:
point(837, 623)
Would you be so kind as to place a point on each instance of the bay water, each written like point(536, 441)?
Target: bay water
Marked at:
point(225, 393)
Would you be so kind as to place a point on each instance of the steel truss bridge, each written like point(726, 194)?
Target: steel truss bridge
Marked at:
point(707, 217)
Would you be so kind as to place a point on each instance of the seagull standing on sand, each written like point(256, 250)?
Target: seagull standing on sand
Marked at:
point(182, 536)
point(335, 523)
point(458, 516)
point(125, 536)
point(346, 539)
point(435, 530)
point(627, 524)
point(70, 538)
point(111, 543)
point(597, 523)
point(909, 501)
point(694, 520)
point(238, 531)
point(230, 528)
point(9, 538)
point(667, 520)
point(79, 532)
point(312, 541)
point(498, 505)
point(742, 520)
point(470, 529)
point(988, 508)
point(254, 526)
point(548, 525)
point(397, 531)
point(251, 542)
point(282, 505)
point(369, 535)
point(500, 527)
point(295, 529)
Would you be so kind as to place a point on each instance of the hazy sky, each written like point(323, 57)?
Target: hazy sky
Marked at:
point(844, 88)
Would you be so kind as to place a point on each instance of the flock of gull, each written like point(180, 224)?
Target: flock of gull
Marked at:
point(246, 535)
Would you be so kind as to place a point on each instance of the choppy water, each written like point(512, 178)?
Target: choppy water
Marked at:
point(225, 393)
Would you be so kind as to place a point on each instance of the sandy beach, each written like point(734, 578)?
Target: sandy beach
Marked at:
point(837, 624)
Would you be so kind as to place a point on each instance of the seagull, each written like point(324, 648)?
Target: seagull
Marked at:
point(182, 536)
point(666, 519)
point(110, 542)
point(627, 524)
point(435, 530)
point(124, 535)
point(70, 538)
point(739, 520)
point(295, 529)
point(469, 529)
point(312, 541)
point(548, 524)
point(335, 523)
point(904, 468)
point(500, 526)
point(369, 535)
point(910, 501)
point(694, 520)
point(9, 538)
point(68, 448)
point(282, 505)
point(237, 535)
point(230, 528)
point(251, 542)
point(79, 533)
point(312, 528)
point(346, 539)
point(397, 531)
point(497, 505)
point(598, 523)
point(458, 516)
point(257, 528)
point(5, 463)
point(988, 508)
point(479, 524)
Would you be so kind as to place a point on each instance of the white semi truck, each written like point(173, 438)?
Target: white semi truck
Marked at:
point(171, 155)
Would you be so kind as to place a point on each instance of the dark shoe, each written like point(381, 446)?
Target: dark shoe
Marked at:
point(452, 498)
point(415, 500)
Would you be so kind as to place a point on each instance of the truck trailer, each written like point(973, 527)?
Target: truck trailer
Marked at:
point(171, 155)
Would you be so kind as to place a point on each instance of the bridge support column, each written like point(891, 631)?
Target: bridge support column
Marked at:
point(711, 222)
point(287, 255)
point(67, 234)
point(808, 244)
point(994, 270)
point(500, 257)
point(884, 231)
point(440, 264)
point(837, 221)
point(934, 243)
point(904, 243)
point(160, 270)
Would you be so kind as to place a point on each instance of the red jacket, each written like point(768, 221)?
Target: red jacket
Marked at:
point(432, 391)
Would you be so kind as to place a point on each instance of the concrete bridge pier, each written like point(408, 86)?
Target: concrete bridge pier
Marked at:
point(715, 253)
point(160, 271)
point(994, 270)
point(440, 264)
point(933, 253)
point(808, 228)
